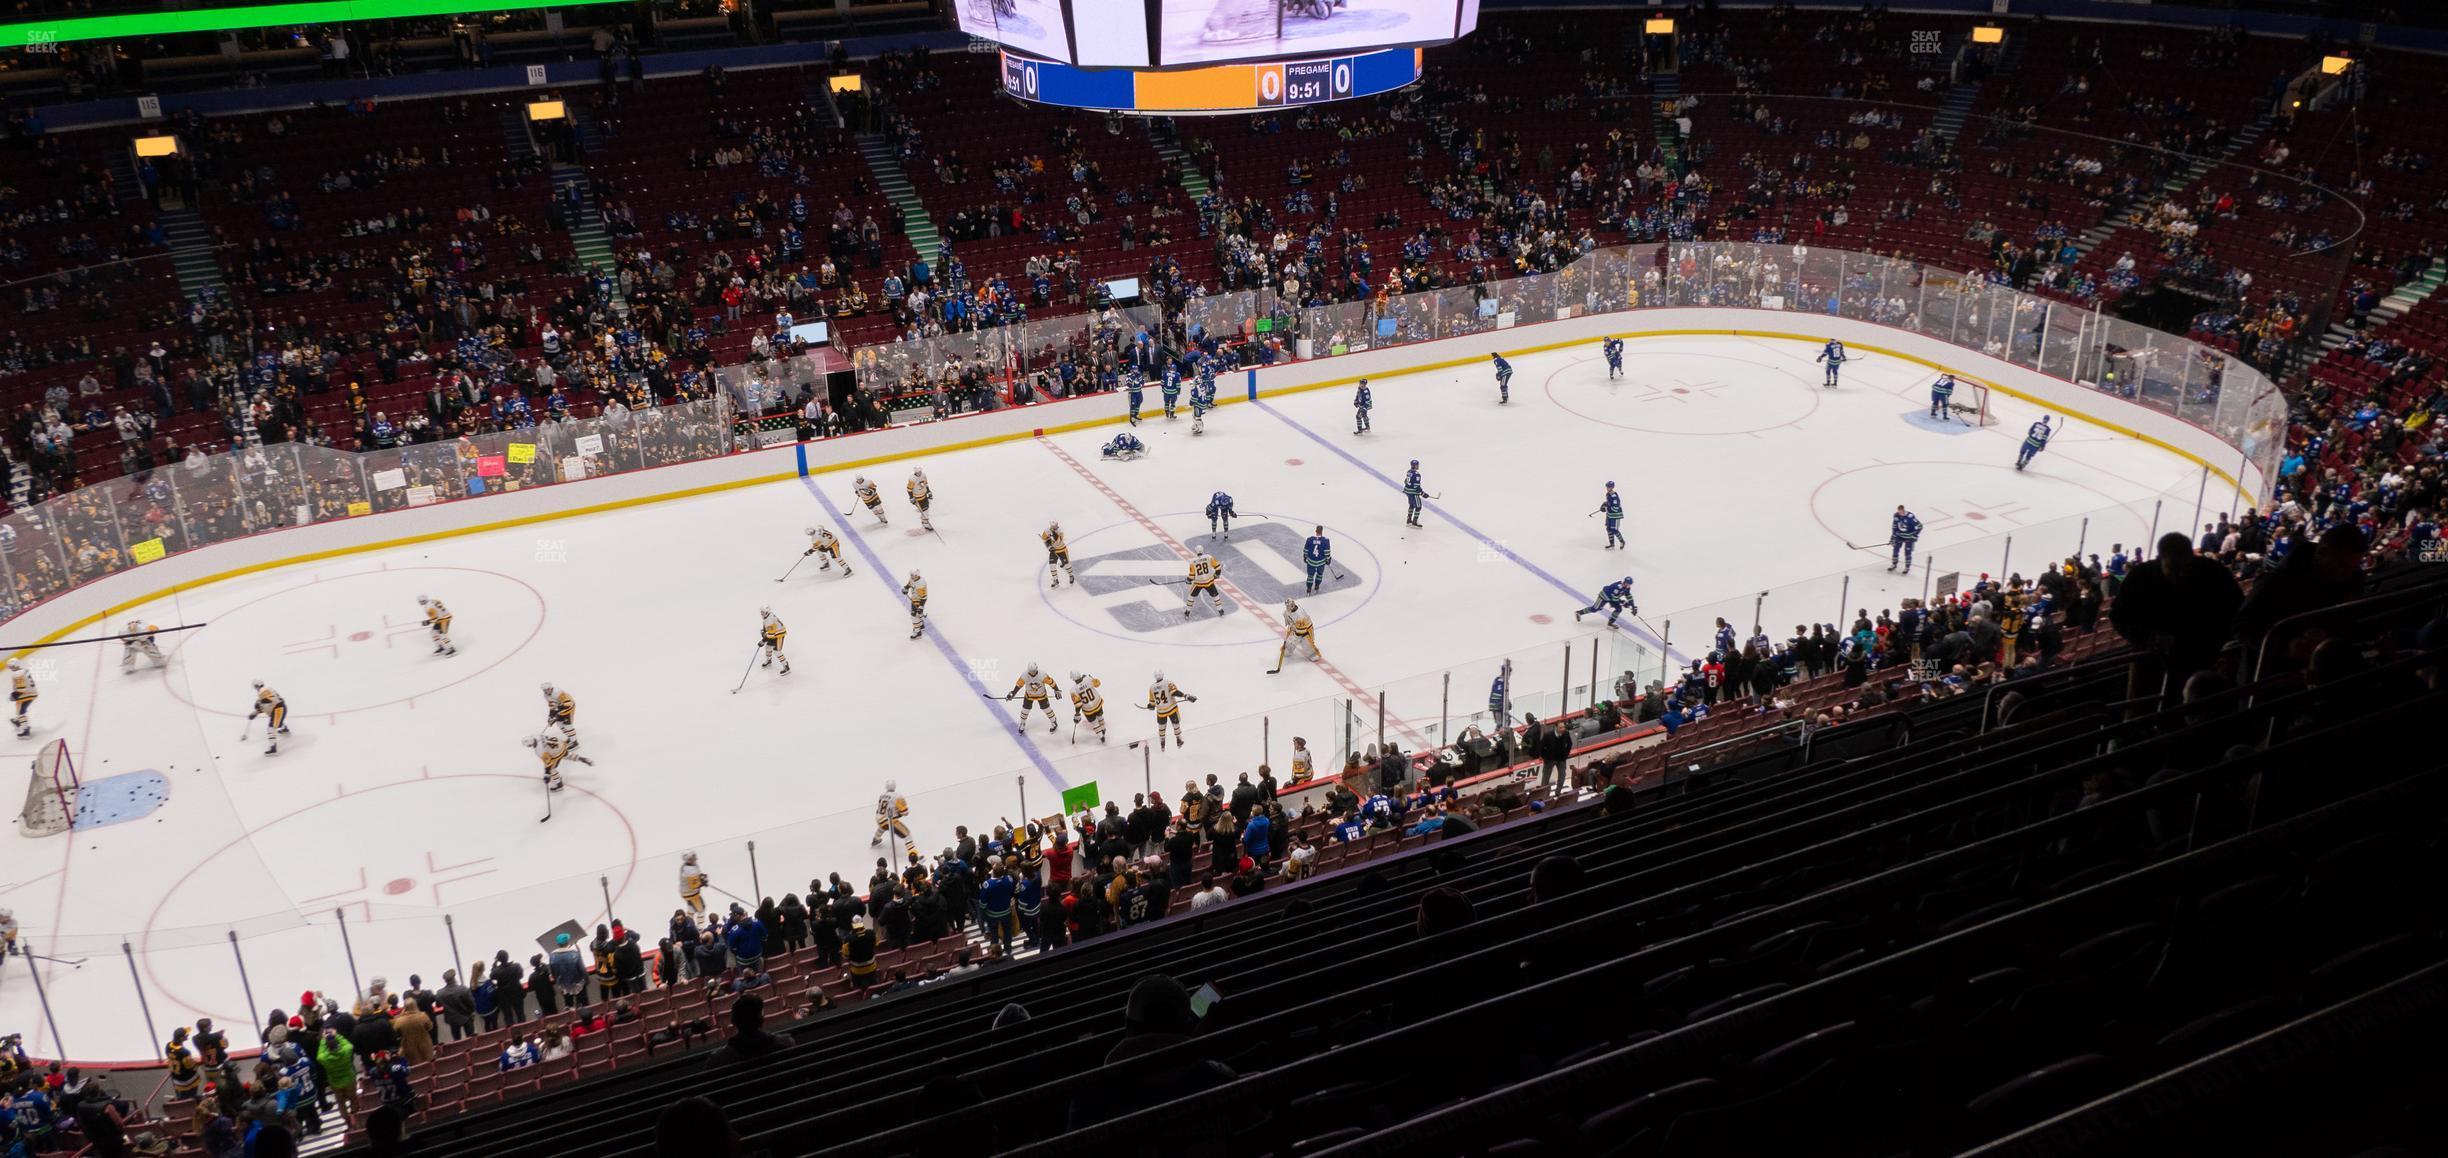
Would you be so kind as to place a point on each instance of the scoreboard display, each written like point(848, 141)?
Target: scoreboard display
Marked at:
point(1216, 88)
point(1178, 34)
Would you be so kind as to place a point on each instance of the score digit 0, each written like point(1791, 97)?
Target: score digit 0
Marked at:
point(1270, 84)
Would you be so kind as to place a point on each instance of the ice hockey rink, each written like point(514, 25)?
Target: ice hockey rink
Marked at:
point(404, 794)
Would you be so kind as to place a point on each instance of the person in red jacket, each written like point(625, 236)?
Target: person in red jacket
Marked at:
point(1712, 675)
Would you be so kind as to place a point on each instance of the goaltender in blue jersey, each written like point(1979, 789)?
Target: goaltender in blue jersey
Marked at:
point(1124, 447)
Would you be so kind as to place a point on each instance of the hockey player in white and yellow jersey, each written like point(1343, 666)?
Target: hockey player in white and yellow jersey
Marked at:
point(1204, 571)
point(1300, 636)
point(1058, 556)
point(275, 711)
point(693, 882)
point(552, 746)
point(437, 625)
point(921, 496)
point(561, 711)
point(866, 492)
point(770, 634)
point(1036, 690)
point(822, 542)
point(1166, 699)
point(892, 812)
point(22, 693)
point(1087, 705)
point(916, 590)
point(137, 642)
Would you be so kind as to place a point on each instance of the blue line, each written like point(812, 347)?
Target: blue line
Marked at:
point(934, 635)
point(1448, 516)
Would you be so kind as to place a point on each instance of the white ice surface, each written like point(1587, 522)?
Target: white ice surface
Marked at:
point(404, 794)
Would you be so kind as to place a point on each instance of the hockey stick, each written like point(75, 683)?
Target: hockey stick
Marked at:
point(752, 658)
point(548, 799)
point(793, 567)
point(79, 963)
point(1279, 657)
point(246, 729)
point(1165, 582)
point(17, 647)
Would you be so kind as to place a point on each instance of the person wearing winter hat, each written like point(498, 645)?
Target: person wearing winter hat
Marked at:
point(568, 972)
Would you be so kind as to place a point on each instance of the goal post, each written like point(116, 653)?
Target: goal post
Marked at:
point(51, 792)
point(1971, 403)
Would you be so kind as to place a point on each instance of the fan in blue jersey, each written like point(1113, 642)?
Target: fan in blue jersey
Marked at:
point(1504, 378)
point(1612, 507)
point(1903, 531)
point(2034, 441)
point(1724, 640)
point(1942, 392)
point(1220, 514)
point(1614, 599)
point(1137, 392)
point(1834, 355)
point(1360, 408)
point(1172, 385)
point(1414, 493)
point(1123, 448)
point(1316, 555)
point(1613, 349)
point(1350, 827)
point(1500, 694)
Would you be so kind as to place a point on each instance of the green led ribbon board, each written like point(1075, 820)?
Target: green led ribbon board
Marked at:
point(36, 33)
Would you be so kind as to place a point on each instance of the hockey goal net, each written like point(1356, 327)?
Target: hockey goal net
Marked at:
point(51, 792)
point(1970, 403)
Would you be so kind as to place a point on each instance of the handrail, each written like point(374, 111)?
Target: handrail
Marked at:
point(2349, 611)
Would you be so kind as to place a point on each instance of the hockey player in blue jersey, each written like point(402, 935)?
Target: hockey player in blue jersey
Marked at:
point(1903, 531)
point(1360, 408)
point(1220, 514)
point(1316, 555)
point(1171, 385)
point(1834, 355)
point(1613, 349)
point(1500, 695)
point(1614, 599)
point(1137, 392)
point(1504, 379)
point(2034, 441)
point(1942, 392)
point(1123, 448)
point(1202, 400)
point(1414, 492)
point(1612, 507)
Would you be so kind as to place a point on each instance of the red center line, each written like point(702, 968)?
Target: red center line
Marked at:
point(1246, 603)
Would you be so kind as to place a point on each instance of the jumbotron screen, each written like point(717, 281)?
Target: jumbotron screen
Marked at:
point(1178, 33)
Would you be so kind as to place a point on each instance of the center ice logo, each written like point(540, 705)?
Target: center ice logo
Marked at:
point(1255, 558)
